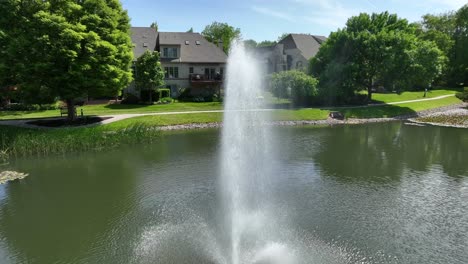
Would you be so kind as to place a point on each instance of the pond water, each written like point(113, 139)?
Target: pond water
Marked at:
point(376, 193)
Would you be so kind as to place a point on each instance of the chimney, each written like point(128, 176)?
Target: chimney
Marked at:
point(220, 44)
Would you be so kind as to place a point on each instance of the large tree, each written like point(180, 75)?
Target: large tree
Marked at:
point(217, 31)
point(68, 48)
point(149, 74)
point(295, 85)
point(459, 56)
point(374, 49)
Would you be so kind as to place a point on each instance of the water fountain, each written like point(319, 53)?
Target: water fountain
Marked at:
point(247, 161)
point(250, 224)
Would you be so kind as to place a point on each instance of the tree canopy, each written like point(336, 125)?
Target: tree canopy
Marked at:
point(295, 85)
point(217, 31)
point(66, 49)
point(377, 49)
point(149, 74)
point(459, 56)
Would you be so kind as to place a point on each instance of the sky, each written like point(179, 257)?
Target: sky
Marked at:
point(268, 19)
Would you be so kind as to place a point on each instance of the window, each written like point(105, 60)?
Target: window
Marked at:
point(191, 70)
point(174, 53)
point(171, 72)
point(197, 42)
point(170, 53)
point(145, 44)
point(187, 42)
point(221, 71)
point(210, 73)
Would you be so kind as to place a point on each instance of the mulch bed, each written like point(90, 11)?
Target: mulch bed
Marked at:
point(62, 122)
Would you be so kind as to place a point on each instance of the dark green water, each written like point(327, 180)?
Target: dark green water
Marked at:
point(380, 193)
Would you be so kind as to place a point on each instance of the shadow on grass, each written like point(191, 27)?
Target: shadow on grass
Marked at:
point(376, 111)
point(126, 106)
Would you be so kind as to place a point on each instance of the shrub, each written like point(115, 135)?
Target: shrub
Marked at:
point(295, 85)
point(165, 100)
point(30, 107)
point(185, 95)
point(198, 99)
point(463, 95)
point(130, 99)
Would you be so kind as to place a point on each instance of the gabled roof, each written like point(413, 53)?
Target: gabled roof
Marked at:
point(203, 52)
point(307, 44)
point(141, 37)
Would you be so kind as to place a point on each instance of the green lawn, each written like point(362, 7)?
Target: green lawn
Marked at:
point(116, 109)
point(398, 109)
point(301, 114)
point(408, 96)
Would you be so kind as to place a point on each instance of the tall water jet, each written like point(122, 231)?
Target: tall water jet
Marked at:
point(247, 158)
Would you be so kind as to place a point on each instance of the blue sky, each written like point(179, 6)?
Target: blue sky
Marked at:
point(267, 19)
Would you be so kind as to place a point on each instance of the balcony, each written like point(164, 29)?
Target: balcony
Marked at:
point(205, 79)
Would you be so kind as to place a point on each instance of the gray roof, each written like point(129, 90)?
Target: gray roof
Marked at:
point(307, 44)
point(141, 37)
point(205, 52)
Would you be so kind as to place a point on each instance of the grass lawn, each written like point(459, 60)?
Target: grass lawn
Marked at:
point(398, 109)
point(116, 109)
point(408, 96)
point(189, 106)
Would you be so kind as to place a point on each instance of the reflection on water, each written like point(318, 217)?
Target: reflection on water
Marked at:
point(381, 193)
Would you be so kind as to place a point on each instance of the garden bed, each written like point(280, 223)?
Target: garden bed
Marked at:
point(62, 122)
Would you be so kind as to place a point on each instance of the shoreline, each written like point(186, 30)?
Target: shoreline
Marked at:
point(330, 121)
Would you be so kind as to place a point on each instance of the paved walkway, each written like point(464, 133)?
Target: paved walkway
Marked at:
point(118, 117)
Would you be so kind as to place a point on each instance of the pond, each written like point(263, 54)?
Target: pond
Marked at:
point(376, 193)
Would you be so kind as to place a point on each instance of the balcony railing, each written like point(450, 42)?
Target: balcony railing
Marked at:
point(202, 78)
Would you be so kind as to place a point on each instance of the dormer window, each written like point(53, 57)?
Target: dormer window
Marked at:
point(170, 53)
point(145, 44)
point(187, 42)
point(197, 42)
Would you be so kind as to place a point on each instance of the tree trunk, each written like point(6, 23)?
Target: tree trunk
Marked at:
point(369, 93)
point(71, 114)
point(151, 96)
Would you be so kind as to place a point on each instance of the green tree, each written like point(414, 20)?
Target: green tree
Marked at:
point(155, 26)
point(190, 30)
point(459, 56)
point(374, 49)
point(440, 29)
point(282, 36)
point(266, 43)
point(295, 85)
point(217, 31)
point(68, 49)
point(149, 74)
point(250, 43)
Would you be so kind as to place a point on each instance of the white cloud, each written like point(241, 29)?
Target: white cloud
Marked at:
point(328, 13)
point(452, 4)
point(272, 13)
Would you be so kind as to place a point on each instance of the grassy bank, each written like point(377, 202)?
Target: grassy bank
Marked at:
point(20, 142)
point(398, 109)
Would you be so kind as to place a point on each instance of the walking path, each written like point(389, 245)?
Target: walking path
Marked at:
point(119, 117)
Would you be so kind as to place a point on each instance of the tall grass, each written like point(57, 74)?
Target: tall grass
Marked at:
point(20, 142)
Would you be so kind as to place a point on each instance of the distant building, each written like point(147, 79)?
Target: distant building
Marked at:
point(291, 53)
point(188, 59)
